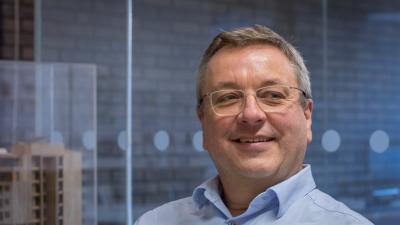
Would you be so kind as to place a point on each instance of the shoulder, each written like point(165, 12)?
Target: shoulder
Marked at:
point(333, 210)
point(167, 213)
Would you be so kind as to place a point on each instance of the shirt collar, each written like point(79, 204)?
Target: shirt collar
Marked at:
point(290, 190)
point(286, 192)
point(207, 191)
point(210, 192)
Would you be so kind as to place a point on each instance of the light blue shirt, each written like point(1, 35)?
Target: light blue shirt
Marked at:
point(295, 201)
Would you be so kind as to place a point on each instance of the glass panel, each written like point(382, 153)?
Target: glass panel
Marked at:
point(80, 49)
point(360, 95)
point(48, 129)
point(94, 31)
point(352, 51)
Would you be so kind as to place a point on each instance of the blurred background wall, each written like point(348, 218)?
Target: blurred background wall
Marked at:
point(353, 52)
point(351, 48)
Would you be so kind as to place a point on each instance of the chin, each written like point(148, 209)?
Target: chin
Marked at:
point(258, 171)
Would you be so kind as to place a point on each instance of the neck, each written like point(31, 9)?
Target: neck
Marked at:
point(237, 194)
point(237, 212)
point(239, 191)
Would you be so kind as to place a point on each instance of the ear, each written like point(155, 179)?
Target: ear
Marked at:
point(200, 113)
point(308, 116)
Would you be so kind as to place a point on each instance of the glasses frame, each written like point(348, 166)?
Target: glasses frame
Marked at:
point(201, 100)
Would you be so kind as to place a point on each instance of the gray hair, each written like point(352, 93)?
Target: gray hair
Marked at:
point(257, 34)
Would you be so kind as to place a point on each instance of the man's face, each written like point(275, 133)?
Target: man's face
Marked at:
point(254, 144)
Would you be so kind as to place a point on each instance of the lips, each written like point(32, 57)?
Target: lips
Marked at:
point(253, 139)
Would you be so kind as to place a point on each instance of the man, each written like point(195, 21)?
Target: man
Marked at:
point(255, 108)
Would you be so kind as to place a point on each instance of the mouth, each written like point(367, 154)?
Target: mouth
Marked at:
point(247, 140)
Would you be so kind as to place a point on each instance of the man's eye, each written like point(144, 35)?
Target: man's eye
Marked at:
point(272, 95)
point(227, 98)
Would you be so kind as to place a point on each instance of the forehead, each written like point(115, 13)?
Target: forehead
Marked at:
point(248, 67)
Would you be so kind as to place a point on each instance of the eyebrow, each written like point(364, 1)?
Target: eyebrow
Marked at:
point(226, 85)
point(233, 85)
point(272, 83)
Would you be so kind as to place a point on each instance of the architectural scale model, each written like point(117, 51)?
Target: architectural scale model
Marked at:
point(40, 184)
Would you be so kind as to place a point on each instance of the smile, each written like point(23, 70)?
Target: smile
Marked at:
point(253, 140)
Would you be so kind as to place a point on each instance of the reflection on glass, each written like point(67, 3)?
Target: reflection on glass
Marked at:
point(379, 141)
point(331, 140)
point(44, 165)
point(161, 140)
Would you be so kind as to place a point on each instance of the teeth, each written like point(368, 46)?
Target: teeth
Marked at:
point(254, 140)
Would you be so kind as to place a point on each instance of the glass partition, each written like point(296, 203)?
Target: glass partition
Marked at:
point(49, 143)
point(352, 51)
point(67, 41)
point(75, 97)
point(95, 32)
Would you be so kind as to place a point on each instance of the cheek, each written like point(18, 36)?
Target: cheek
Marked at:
point(293, 142)
point(291, 126)
point(207, 140)
point(297, 137)
point(209, 131)
point(215, 132)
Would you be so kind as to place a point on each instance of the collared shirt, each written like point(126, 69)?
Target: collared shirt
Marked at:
point(293, 201)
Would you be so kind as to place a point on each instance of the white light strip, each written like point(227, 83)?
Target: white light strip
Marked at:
point(129, 180)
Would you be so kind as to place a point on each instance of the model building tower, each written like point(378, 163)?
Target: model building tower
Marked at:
point(40, 184)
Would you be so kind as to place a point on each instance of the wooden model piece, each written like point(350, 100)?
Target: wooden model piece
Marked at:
point(40, 184)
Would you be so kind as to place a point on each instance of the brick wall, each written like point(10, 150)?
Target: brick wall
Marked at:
point(16, 29)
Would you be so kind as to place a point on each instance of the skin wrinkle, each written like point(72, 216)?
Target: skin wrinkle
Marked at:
point(246, 70)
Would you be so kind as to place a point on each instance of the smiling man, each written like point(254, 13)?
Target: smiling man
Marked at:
point(255, 108)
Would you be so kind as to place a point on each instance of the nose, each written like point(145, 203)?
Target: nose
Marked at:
point(251, 113)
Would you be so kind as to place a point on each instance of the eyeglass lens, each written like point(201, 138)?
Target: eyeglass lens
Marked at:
point(269, 99)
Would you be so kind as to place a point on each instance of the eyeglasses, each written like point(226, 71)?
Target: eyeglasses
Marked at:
point(274, 98)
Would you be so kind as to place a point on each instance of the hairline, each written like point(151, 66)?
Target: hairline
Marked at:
point(290, 55)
